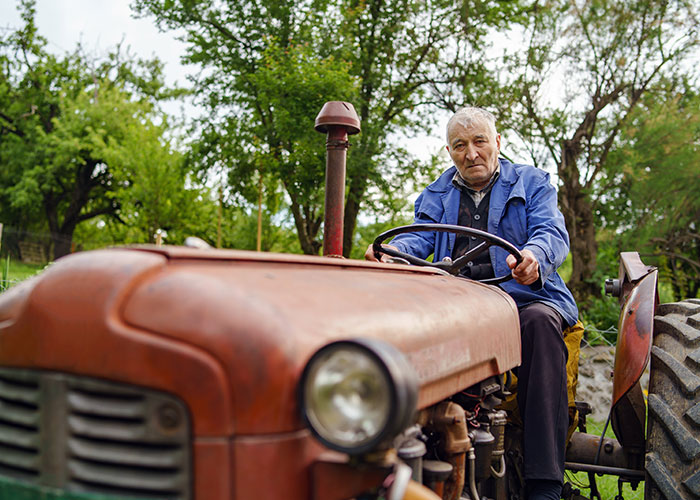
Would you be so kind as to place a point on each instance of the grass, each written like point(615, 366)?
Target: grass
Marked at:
point(14, 271)
point(607, 485)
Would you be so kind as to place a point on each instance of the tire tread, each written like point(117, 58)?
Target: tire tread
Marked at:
point(673, 429)
point(689, 447)
point(677, 328)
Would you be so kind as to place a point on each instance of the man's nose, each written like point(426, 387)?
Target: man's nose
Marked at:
point(472, 153)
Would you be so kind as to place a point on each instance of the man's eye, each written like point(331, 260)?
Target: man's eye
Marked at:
point(459, 147)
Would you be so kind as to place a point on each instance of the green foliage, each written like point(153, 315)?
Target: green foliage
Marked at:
point(267, 75)
point(654, 184)
point(270, 65)
point(601, 312)
point(240, 231)
point(366, 234)
point(572, 86)
point(5, 278)
point(79, 141)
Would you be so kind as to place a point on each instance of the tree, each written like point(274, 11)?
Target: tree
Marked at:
point(261, 58)
point(67, 127)
point(157, 192)
point(274, 137)
point(653, 172)
point(263, 84)
point(584, 68)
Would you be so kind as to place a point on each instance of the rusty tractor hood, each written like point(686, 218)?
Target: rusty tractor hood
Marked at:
point(230, 331)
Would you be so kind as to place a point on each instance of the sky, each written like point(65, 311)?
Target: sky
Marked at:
point(100, 25)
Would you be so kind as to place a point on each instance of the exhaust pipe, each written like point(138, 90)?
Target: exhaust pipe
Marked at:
point(338, 120)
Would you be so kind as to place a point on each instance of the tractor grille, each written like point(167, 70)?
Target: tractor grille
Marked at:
point(87, 435)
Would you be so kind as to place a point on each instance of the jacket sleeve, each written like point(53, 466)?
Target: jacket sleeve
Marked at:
point(428, 210)
point(547, 237)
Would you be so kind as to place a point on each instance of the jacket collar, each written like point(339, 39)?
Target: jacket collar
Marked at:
point(507, 177)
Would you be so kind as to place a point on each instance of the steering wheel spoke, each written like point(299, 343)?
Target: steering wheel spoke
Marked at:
point(452, 267)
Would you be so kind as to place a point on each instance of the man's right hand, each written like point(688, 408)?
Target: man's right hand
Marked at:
point(369, 254)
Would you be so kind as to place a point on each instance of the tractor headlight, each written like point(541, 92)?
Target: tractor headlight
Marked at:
point(357, 394)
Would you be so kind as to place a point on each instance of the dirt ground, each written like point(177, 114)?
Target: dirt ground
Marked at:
point(595, 379)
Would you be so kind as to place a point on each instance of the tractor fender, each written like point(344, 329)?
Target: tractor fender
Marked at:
point(631, 358)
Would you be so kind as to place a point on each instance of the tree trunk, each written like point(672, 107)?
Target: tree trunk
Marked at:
point(61, 235)
point(578, 215)
point(352, 209)
point(307, 226)
point(61, 244)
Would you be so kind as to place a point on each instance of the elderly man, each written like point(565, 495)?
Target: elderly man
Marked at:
point(517, 203)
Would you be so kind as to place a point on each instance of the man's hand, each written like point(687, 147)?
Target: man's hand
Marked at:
point(529, 269)
point(369, 254)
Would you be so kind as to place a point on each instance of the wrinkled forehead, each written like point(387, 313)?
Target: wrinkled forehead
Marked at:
point(471, 123)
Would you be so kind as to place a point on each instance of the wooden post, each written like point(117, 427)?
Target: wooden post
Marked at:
point(219, 213)
point(260, 200)
point(159, 238)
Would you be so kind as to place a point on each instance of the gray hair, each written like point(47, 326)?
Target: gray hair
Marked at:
point(470, 114)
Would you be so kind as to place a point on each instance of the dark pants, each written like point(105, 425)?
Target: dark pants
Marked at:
point(542, 396)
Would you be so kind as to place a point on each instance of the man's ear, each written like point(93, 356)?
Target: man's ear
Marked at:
point(498, 142)
point(447, 148)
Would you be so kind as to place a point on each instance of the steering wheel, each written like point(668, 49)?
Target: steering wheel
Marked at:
point(447, 264)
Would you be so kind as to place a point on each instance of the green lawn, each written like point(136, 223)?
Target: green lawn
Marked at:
point(14, 271)
point(607, 485)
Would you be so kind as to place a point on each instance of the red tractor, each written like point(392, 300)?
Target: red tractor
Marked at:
point(182, 373)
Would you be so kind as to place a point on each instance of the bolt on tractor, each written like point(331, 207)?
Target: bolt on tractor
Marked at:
point(189, 373)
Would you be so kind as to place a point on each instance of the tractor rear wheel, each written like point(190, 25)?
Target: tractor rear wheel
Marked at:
point(673, 431)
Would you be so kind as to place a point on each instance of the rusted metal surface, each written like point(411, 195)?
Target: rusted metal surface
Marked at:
point(583, 449)
point(213, 467)
point(337, 147)
point(242, 325)
point(69, 320)
point(628, 421)
point(638, 297)
point(632, 266)
point(435, 473)
point(448, 420)
point(334, 478)
point(631, 358)
point(72, 322)
point(632, 269)
point(275, 466)
point(454, 332)
point(228, 256)
point(634, 474)
point(251, 323)
point(339, 114)
point(635, 336)
point(337, 119)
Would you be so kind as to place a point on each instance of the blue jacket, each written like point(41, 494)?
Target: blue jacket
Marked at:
point(523, 210)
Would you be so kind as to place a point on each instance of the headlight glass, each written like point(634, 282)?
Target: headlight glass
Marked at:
point(348, 396)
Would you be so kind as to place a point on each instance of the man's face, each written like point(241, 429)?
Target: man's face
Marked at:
point(474, 150)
